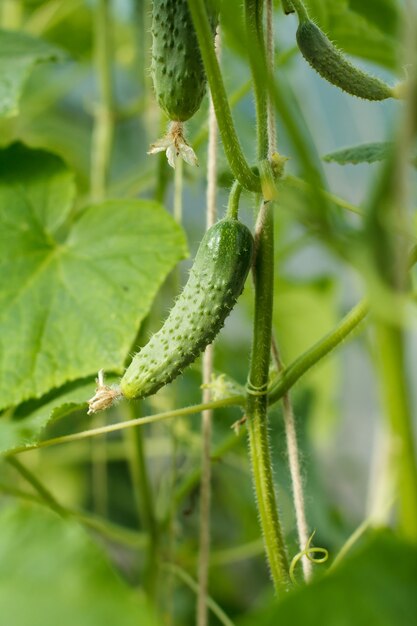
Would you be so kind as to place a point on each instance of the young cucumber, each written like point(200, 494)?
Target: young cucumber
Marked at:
point(216, 280)
point(332, 65)
point(177, 68)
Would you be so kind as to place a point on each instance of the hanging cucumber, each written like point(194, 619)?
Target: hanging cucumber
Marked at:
point(178, 74)
point(332, 65)
point(216, 280)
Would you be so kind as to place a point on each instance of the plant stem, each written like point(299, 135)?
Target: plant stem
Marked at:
point(102, 138)
point(289, 376)
point(256, 51)
point(295, 471)
point(191, 583)
point(143, 496)
point(301, 10)
point(44, 493)
point(238, 164)
point(257, 399)
point(98, 524)
point(140, 421)
point(287, 408)
point(234, 198)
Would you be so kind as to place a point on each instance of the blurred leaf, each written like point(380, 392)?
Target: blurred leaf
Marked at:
point(87, 283)
point(304, 312)
point(52, 573)
point(19, 53)
point(385, 14)
point(377, 585)
point(29, 420)
point(365, 153)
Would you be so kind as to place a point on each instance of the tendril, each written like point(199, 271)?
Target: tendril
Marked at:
point(309, 552)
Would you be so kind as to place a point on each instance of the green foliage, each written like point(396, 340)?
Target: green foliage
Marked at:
point(374, 586)
point(83, 285)
point(19, 53)
point(87, 278)
point(52, 573)
point(365, 153)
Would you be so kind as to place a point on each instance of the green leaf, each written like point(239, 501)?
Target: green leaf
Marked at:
point(365, 153)
point(19, 53)
point(385, 14)
point(52, 573)
point(73, 289)
point(377, 585)
point(29, 420)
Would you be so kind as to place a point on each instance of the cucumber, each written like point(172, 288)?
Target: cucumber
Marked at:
point(332, 65)
point(177, 68)
point(216, 280)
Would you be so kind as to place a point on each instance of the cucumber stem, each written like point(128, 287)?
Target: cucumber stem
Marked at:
point(233, 203)
point(257, 61)
point(234, 154)
point(301, 10)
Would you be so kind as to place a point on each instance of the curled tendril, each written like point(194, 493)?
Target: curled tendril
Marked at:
point(309, 552)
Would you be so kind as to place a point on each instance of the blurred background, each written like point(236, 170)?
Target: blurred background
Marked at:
point(340, 424)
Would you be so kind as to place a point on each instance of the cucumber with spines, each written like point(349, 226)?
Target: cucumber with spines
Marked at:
point(332, 65)
point(216, 280)
point(177, 68)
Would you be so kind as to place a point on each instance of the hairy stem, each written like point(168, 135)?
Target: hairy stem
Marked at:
point(289, 376)
point(234, 198)
point(301, 10)
point(234, 154)
point(263, 272)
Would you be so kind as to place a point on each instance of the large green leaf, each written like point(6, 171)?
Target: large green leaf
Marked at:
point(52, 573)
point(376, 586)
point(73, 291)
point(19, 53)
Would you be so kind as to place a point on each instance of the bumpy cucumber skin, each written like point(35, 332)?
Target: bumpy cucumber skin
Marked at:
point(216, 280)
point(177, 68)
point(332, 65)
